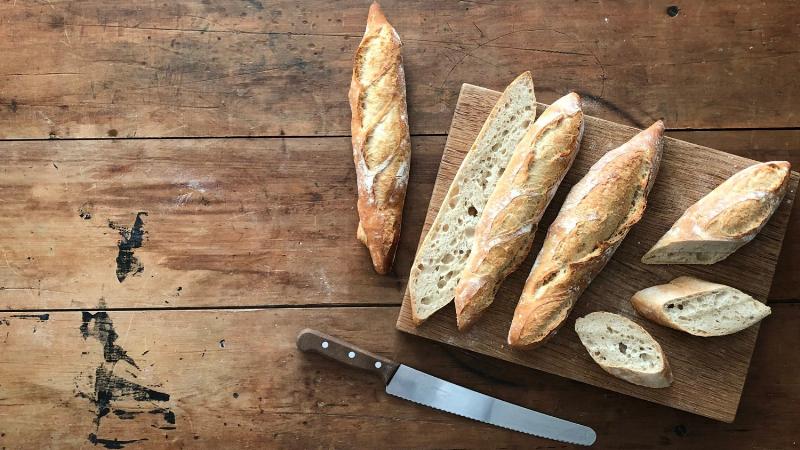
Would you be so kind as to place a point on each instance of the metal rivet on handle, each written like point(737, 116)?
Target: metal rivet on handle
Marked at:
point(324, 344)
point(378, 364)
point(351, 355)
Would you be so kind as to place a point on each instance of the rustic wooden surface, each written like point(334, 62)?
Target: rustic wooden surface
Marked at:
point(220, 68)
point(258, 391)
point(686, 174)
point(721, 74)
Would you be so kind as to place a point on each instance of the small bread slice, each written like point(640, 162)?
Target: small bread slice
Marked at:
point(443, 253)
point(624, 349)
point(699, 307)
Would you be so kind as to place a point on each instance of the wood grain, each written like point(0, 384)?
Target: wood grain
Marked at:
point(262, 233)
point(259, 391)
point(229, 223)
point(686, 174)
point(197, 68)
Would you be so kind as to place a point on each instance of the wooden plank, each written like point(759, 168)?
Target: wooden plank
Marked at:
point(237, 243)
point(258, 391)
point(228, 222)
point(196, 68)
point(687, 173)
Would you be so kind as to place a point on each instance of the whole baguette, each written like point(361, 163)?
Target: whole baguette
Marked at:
point(441, 257)
point(727, 218)
point(380, 137)
point(505, 230)
point(595, 217)
point(699, 307)
point(624, 349)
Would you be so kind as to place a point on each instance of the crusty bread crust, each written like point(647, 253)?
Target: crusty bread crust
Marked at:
point(504, 234)
point(443, 252)
point(727, 218)
point(592, 223)
point(380, 137)
point(651, 302)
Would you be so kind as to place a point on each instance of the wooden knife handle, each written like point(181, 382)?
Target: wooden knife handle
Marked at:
point(344, 352)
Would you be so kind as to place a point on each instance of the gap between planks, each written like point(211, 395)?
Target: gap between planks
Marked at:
point(325, 136)
point(264, 307)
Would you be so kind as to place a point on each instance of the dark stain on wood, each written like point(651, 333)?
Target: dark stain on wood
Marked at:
point(111, 443)
point(127, 263)
point(85, 211)
point(102, 328)
point(109, 387)
point(39, 317)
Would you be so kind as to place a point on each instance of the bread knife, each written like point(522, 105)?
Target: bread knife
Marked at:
point(411, 384)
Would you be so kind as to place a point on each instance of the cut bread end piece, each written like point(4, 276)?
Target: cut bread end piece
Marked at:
point(690, 252)
point(443, 253)
point(624, 349)
point(699, 307)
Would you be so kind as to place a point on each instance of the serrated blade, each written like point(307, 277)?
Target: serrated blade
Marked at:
point(411, 384)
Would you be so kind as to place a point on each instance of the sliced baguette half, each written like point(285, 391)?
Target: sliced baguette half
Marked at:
point(624, 349)
point(504, 234)
point(699, 307)
point(443, 253)
point(725, 219)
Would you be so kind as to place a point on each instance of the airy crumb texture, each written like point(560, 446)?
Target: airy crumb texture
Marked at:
point(716, 313)
point(624, 349)
point(443, 254)
point(699, 307)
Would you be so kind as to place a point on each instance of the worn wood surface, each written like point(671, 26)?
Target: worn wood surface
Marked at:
point(687, 173)
point(279, 236)
point(235, 379)
point(192, 68)
point(230, 222)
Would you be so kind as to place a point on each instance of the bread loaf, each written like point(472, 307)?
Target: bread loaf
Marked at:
point(441, 257)
point(595, 217)
point(624, 349)
point(699, 307)
point(724, 220)
point(380, 137)
point(504, 233)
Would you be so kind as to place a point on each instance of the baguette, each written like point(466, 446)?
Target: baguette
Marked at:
point(699, 307)
point(595, 217)
point(504, 234)
point(727, 218)
point(381, 142)
point(441, 256)
point(624, 349)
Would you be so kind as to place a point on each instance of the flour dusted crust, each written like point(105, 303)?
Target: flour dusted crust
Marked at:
point(727, 218)
point(443, 253)
point(505, 230)
point(592, 223)
point(381, 142)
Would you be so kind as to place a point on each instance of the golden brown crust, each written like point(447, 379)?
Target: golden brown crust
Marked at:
point(381, 142)
point(504, 234)
point(726, 219)
point(584, 236)
point(502, 130)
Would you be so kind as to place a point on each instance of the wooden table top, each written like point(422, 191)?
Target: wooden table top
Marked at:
point(177, 201)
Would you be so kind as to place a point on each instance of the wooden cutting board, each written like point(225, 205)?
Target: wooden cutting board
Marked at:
point(709, 373)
